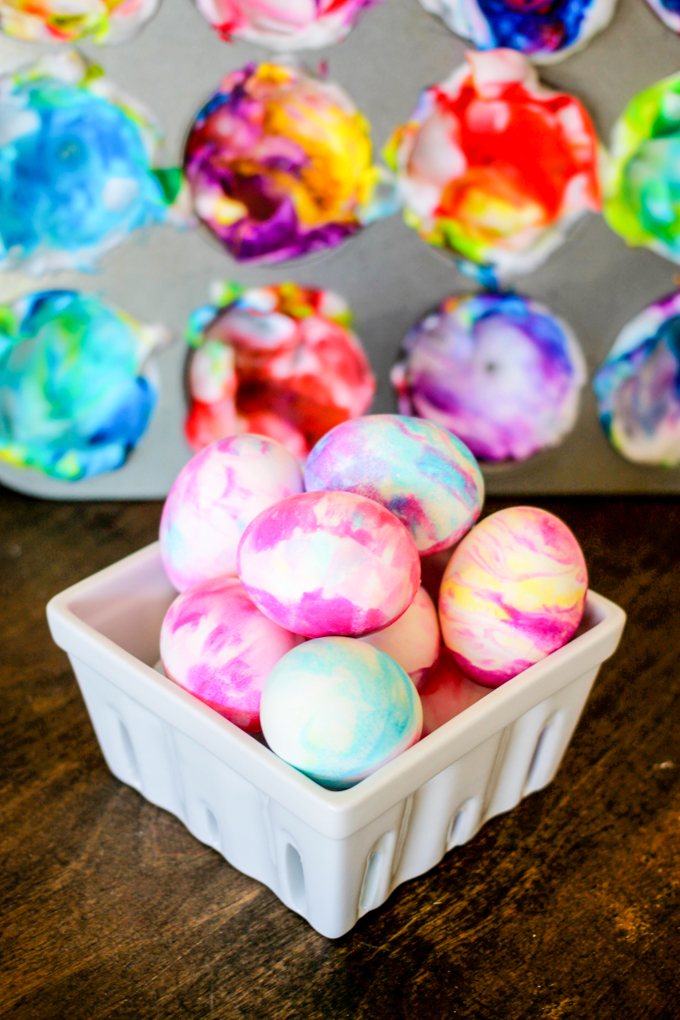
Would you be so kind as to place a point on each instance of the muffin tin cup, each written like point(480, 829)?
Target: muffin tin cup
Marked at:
point(329, 856)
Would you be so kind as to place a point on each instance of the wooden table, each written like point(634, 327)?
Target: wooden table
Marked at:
point(568, 907)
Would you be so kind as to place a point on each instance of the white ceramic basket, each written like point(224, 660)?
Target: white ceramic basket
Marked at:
point(330, 856)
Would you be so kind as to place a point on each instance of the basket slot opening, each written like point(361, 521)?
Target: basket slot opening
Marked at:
point(369, 886)
point(543, 755)
point(130, 757)
point(295, 876)
point(213, 829)
point(459, 829)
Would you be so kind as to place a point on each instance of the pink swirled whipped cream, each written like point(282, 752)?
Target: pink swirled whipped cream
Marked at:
point(281, 361)
point(284, 25)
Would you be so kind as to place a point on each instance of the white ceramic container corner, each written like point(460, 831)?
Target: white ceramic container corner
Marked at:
point(331, 856)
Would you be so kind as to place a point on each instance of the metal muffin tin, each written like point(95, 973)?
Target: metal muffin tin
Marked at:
point(390, 277)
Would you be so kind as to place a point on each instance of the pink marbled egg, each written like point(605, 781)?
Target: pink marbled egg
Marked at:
point(325, 563)
point(212, 500)
point(218, 646)
point(413, 640)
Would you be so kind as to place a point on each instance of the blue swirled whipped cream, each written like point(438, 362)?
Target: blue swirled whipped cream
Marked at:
point(77, 386)
point(78, 167)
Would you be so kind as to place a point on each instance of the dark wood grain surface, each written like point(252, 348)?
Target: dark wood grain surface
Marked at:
point(568, 907)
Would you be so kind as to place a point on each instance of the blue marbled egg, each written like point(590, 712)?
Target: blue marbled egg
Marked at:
point(337, 709)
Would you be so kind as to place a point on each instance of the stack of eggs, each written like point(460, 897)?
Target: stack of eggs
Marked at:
point(301, 611)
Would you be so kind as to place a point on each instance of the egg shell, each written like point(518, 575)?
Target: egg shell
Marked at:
point(414, 640)
point(337, 709)
point(212, 500)
point(513, 592)
point(447, 692)
point(218, 646)
point(325, 563)
point(420, 472)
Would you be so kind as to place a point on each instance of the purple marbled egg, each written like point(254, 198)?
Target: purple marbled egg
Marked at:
point(420, 472)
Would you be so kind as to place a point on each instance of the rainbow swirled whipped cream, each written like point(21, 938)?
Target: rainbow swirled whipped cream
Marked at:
point(638, 387)
point(641, 176)
point(499, 371)
point(544, 30)
point(494, 167)
point(78, 167)
point(77, 387)
point(50, 21)
point(284, 24)
point(281, 361)
point(280, 165)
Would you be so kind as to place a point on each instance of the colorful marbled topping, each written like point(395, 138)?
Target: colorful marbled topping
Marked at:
point(77, 167)
point(64, 21)
point(494, 167)
point(641, 176)
point(638, 387)
point(544, 30)
point(281, 361)
point(218, 646)
point(212, 500)
point(447, 693)
point(279, 163)
point(425, 476)
point(499, 371)
point(513, 592)
point(338, 710)
point(329, 563)
point(284, 24)
point(414, 640)
point(77, 387)
point(668, 11)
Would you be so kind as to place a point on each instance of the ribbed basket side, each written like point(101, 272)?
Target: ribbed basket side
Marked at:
point(521, 758)
point(218, 806)
point(135, 742)
point(331, 882)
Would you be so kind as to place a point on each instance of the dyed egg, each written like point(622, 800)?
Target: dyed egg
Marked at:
point(329, 563)
point(513, 592)
point(281, 361)
point(284, 24)
point(500, 371)
point(280, 165)
point(641, 175)
point(218, 646)
point(414, 640)
point(546, 31)
point(338, 709)
point(425, 476)
point(468, 174)
point(212, 500)
point(447, 693)
point(638, 387)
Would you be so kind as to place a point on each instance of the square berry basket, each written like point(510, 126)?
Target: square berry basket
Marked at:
point(331, 856)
